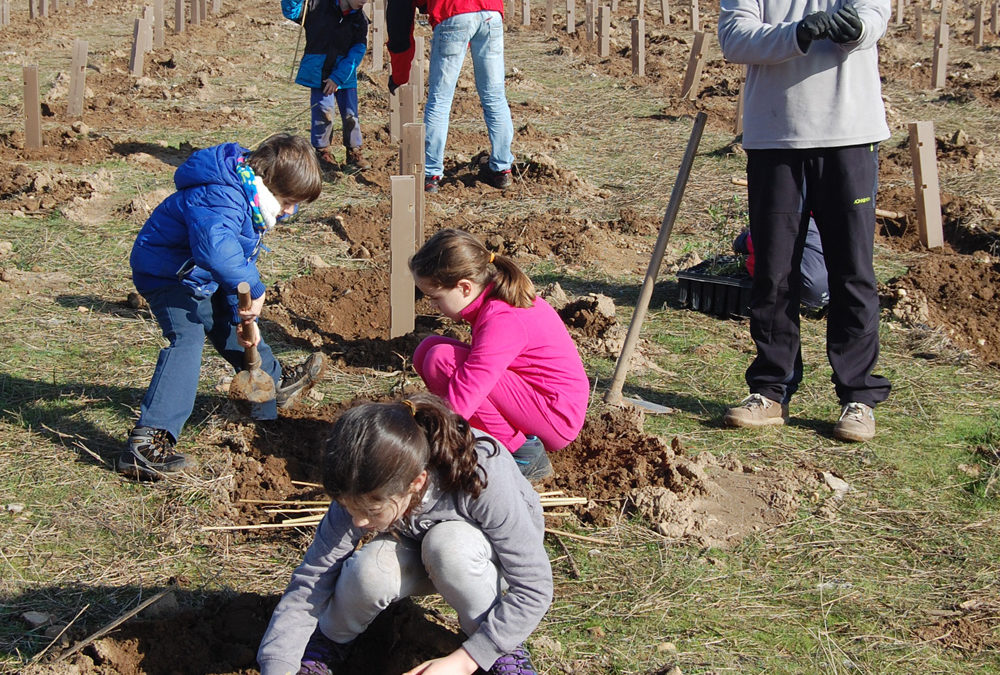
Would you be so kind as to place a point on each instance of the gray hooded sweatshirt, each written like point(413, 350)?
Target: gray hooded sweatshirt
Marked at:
point(508, 512)
point(829, 96)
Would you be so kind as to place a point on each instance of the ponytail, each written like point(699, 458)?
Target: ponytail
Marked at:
point(451, 255)
point(451, 443)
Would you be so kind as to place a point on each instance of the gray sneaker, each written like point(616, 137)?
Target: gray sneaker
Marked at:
point(150, 455)
point(533, 461)
point(856, 423)
point(756, 411)
point(298, 379)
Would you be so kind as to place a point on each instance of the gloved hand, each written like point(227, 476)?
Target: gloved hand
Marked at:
point(816, 26)
point(392, 86)
point(845, 25)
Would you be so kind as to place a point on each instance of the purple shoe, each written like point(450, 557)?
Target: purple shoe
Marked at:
point(321, 653)
point(517, 662)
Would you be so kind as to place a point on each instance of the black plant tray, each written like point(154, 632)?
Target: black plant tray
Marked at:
point(721, 295)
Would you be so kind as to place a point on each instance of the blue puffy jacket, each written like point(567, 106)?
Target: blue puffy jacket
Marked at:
point(335, 42)
point(203, 235)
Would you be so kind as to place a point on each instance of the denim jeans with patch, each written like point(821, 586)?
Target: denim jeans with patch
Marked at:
point(481, 33)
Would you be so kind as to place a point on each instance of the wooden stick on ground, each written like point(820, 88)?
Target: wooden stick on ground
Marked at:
point(114, 624)
point(574, 571)
point(592, 540)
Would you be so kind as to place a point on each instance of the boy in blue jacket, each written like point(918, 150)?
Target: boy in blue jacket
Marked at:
point(187, 261)
point(336, 41)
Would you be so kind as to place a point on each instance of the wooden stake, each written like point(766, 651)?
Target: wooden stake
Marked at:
point(665, 11)
point(695, 22)
point(571, 16)
point(994, 18)
point(135, 61)
point(550, 10)
point(603, 31)
point(944, 11)
point(900, 4)
point(939, 64)
point(614, 6)
point(32, 10)
point(614, 393)
point(4, 12)
point(179, 20)
point(525, 12)
point(394, 124)
point(149, 16)
point(918, 23)
point(203, 10)
point(696, 61)
point(589, 20)
point(923, 150)
point(216, 6)
point(411, 163)
point(402, 297)
point(407, 104)
point(417, 72)
point(738, 124)
point(32, 109)
point(378, 36)
point(977, 30)
point(77, 79)
point(195, 13)
point(43, 8)
point(159, 23)
point(639, 46)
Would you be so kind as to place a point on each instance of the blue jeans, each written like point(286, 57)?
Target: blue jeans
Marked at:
point(482, 33)
point(185, 319)
point(322, 106)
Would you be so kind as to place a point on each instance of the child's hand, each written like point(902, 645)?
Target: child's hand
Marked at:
point(457, 663)
point(329, 86)
point(252, 312)
point(247, 334)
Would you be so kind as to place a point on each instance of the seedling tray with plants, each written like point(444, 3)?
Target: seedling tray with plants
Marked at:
point(719, 286)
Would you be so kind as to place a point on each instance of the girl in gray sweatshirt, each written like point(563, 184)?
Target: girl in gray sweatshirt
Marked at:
point(452, 515)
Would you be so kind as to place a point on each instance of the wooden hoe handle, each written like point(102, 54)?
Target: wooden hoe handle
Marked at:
point(251, 358)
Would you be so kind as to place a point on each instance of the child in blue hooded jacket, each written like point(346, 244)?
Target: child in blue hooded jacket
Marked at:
point(196, 247)
point(336, 41)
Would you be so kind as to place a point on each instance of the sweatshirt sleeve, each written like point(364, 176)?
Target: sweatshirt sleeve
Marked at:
point(746, 38)
point(498, 338)
point(874, 15)
point(509, 513)
point(291, 9)
point(307, 594)
point(347, 66)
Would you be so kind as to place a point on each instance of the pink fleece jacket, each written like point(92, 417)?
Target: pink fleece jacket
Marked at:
point(533, 343)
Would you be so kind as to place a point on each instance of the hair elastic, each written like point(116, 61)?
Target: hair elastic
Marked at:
point(409, 404)
point(492, 256)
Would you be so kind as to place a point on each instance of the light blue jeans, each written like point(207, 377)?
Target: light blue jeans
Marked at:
point(482, 33)
point(454, 559)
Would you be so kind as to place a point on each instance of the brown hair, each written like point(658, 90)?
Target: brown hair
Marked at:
point(375, 450)
point(451, 255)
point(289, 168)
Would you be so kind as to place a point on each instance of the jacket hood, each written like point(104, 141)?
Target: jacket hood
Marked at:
point(209, 166)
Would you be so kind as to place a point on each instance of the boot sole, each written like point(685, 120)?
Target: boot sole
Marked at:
point(850, 437)
point(746, 424)
point(140, 471)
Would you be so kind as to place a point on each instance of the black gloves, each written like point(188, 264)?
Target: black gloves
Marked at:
point(816, 26)
point(392, 86)
point(845, 25)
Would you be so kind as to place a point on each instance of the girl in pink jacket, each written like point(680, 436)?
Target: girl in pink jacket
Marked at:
point(520, 379)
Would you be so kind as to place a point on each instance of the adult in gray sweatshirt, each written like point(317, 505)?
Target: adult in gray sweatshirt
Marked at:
point(813, 118)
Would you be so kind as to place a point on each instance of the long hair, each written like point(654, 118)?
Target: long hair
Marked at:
point(451, 255)
point(289, 168)
point(375, 450)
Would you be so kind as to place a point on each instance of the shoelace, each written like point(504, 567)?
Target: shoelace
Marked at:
point(853, 411)
point(755, 401)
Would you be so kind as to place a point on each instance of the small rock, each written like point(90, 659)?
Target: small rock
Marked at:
point(596, 632)
point(54, 630)
point(83, 310)
point(316, 395)
point(314, 261)
point(666, 648)
point(80, 128)
point(36, 619)
point(136, 301)
point(676, 670)
point(14, 508)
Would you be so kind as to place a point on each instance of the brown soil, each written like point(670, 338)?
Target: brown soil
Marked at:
point(614, 464)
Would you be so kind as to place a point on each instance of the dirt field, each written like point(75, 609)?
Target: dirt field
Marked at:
point(684, 495)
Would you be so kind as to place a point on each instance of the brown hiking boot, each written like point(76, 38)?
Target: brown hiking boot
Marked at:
point(356, 160)
point(327, 161)
point(856, 423)
point(756, 411)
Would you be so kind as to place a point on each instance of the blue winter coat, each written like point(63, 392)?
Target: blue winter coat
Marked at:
point(203, 235)
point(335, 42)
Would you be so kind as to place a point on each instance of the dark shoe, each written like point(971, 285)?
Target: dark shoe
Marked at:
point(533, 461)
point(432, 184)
point(501, 180)
point(327, 162)
point(150, 454)
point(301, 378)
point(356, 160)
point(517, 662)
point(321, 653)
